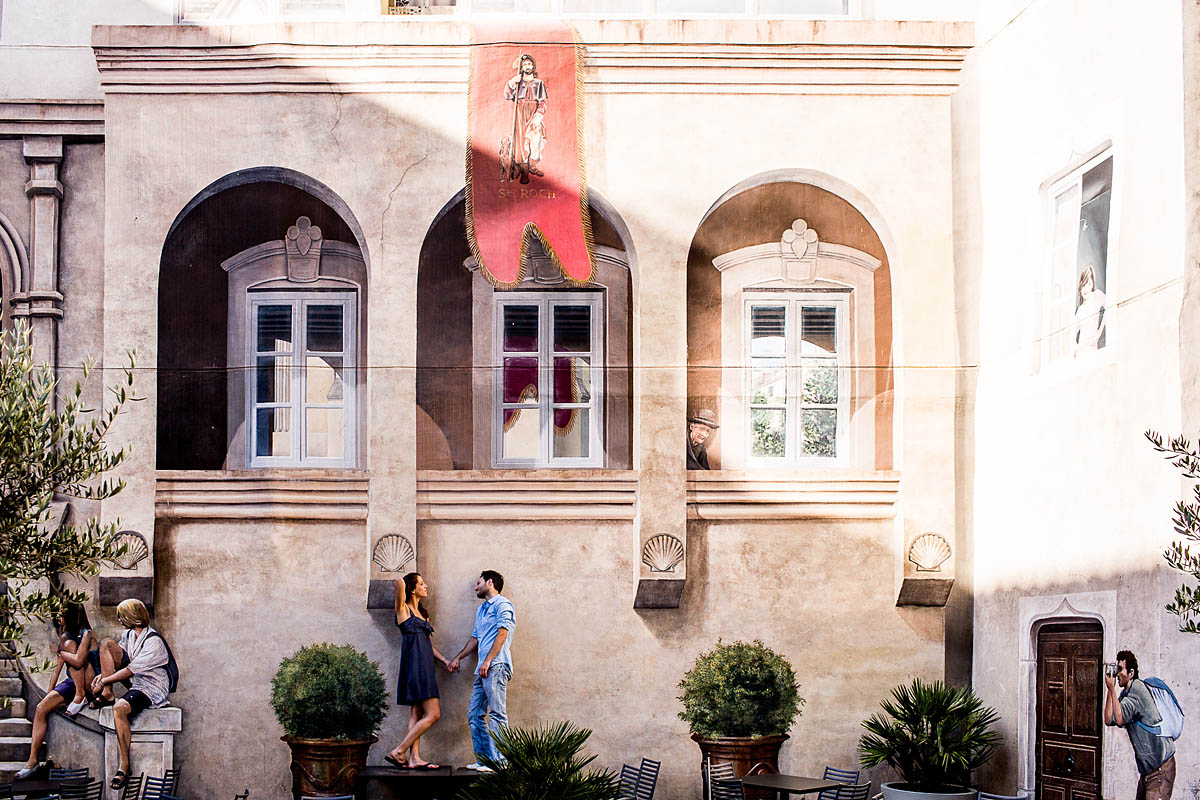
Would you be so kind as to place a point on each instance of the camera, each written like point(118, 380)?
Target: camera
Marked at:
point(1110, 669)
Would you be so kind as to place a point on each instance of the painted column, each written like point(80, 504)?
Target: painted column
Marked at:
point(42, 303)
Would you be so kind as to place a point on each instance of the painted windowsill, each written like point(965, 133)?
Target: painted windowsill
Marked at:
point(318, 494)
point(799, 494)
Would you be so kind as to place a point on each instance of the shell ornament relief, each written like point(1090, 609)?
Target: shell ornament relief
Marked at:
point(928, 551)
point(135, 550)
point(662, 553)
point(393, 553)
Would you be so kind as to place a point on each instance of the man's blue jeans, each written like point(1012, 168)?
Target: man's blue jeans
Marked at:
point(489, 696)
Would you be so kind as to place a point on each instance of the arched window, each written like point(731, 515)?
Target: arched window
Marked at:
point(789, 334)
point(262, 330)
point(535, 375)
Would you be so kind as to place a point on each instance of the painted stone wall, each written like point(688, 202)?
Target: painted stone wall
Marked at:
point(239, 597)
point(1068, 500)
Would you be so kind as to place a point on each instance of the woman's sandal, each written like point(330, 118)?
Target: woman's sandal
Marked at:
point(119, 779)
point(429, 765)
point(395, 762)
point(97, 703)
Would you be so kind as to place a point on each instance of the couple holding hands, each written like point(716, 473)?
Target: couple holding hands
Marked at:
point(491, 638)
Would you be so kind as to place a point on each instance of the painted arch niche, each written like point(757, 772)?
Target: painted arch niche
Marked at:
point(262, 328)
point(534, 376)
point(789, 328)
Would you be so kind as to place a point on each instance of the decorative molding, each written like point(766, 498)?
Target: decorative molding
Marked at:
point(68, 118)
point(392, 553)
point(772, 251)
point(775, 495)
point(276, 249)
point(302, 248)
point(929, 551)
point(623, 57)
point(503, 495)
point(136, 550)
point(315, 494)
point(662, 553)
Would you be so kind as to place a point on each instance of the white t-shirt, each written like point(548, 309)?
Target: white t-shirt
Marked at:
point(148, 663)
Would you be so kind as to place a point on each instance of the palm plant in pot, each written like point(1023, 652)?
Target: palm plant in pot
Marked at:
point(539, 763)
point(936, 735)
point(329, 699)
point(740, 700)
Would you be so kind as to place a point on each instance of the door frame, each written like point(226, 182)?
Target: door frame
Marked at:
point(1035, 612)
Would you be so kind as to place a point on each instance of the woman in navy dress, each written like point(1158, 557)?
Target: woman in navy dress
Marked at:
point(417, 685)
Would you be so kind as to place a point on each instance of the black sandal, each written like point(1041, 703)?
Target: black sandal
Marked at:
point(119, 779)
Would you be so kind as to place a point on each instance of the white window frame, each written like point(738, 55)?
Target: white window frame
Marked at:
point(299, 302)
point(793, 302)
point(1046, 325)
point(546, 301)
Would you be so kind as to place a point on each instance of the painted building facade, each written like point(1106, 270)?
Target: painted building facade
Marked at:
point(852, 237)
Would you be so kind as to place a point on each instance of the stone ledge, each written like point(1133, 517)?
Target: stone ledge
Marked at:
point(69, 118)
point(167, 719)
point(587, 494)
point(823, 494)
point(262, 494)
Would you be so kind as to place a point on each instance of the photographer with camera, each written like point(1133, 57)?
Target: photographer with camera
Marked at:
point(1136, 712)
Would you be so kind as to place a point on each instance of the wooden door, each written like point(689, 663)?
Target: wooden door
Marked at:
point(1069, 681)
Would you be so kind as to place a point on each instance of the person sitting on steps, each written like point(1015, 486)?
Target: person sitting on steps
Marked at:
point(74, 646)
point(139, 659)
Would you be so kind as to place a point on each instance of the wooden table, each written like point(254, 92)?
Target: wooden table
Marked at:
point(43, 786)
point(416, 783)
point(787, 785)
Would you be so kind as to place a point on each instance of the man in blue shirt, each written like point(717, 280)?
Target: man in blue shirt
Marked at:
point(495, 621)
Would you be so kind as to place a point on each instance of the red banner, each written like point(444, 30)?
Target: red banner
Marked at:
point(525, 169)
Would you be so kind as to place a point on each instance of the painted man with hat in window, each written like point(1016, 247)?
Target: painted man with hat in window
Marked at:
point(700, 427)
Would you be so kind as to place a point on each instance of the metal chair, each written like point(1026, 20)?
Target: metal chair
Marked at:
point(84, 791)
point(854, 791)
point(628, 784)
point(243, 796)
point(647, 779)
point(172, 775)
point(158, 788)
point(990, 796)
point(60, 774)
point(840, 775)
point(719, 780)
point(133, 787)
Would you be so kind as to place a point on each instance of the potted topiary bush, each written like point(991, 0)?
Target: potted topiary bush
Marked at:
point(936, 735)
point(739, 701)
point(330, 700)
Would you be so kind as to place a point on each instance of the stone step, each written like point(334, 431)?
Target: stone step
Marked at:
point(8, 770)
point(15, 707)
point(14, 748)
point(16, 726)
point(10, 687)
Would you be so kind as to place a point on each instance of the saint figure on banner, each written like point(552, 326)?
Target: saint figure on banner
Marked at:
point(521, 153)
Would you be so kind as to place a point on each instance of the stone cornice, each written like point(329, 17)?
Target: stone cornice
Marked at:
point(775, 495)
point(503, 495)
point(67, 118)
point(262, 494)
point(623, 57)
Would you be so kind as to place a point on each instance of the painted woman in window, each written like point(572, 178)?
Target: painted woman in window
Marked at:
point(1090, 312)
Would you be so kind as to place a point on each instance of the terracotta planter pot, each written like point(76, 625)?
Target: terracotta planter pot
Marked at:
point(750, 755)
point(326, 767)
